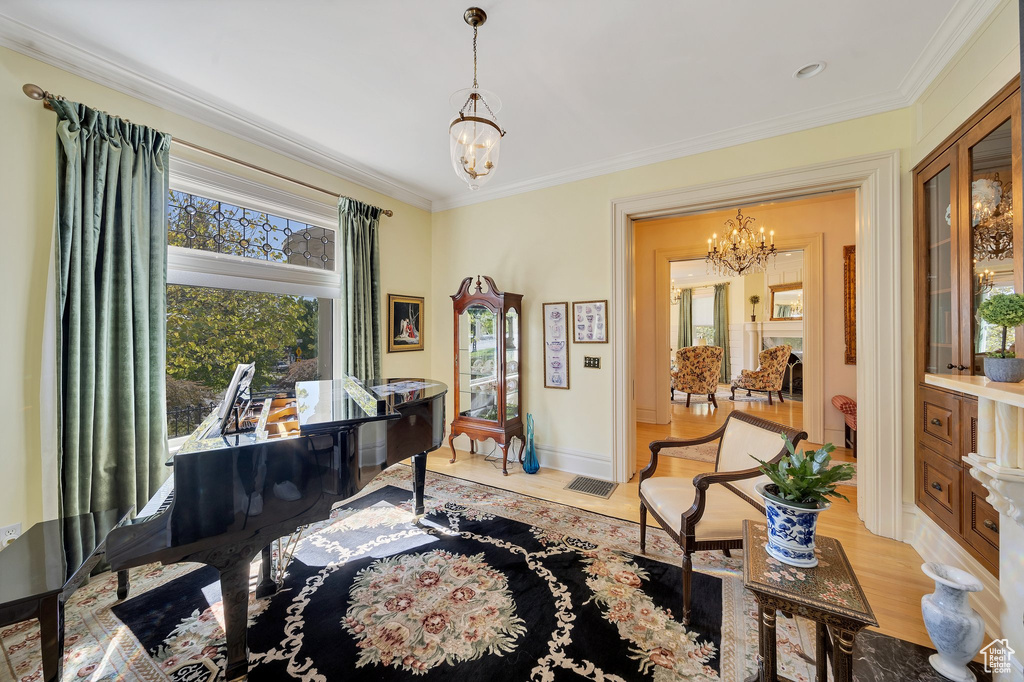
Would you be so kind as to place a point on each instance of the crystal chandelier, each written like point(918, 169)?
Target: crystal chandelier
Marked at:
point(992, 218)
point(676, 292)
point(741, 249)
point(474, 134)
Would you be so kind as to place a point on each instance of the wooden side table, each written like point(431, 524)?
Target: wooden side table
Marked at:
point(828, 594)
point(44, 566)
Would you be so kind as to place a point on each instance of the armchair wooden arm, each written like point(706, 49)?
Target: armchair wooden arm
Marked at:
point(657, 445)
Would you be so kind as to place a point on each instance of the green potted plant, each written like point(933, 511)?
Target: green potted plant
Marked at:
point(1003, 310)
point(754, 300)
point(799, 487)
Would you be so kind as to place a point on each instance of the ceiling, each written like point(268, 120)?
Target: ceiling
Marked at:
point(361, 88)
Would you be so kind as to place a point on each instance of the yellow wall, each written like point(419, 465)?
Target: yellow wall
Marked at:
point(27, 181)
point(832, 215)
point(555, 245)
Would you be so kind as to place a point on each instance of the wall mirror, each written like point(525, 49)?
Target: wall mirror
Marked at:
point(787, 301)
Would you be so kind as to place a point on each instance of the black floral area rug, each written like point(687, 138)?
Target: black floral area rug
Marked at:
point(489, 585)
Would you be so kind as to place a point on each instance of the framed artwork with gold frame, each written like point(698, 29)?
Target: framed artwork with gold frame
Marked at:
point(406, 323)
point(788, 306)
point(590, 321)
point(850, 302)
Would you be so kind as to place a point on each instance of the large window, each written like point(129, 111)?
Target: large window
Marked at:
point(250, 279)
point(704, 316)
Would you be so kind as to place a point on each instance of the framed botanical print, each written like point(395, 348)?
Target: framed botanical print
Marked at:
point(405, 323)
point(590, 321)
point(556, 345)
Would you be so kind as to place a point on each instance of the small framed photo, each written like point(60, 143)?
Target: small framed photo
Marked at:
point(405, 323)
point(590, 321)
point(556, 345)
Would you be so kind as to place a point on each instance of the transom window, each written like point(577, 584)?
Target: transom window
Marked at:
point(196, 222)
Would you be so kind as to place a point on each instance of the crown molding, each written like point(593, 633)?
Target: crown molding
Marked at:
point(963, 20)
point(175, 97)
point(760, 130)
point(959, 25)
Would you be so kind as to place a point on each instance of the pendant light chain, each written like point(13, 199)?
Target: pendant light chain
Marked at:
point(475, 85)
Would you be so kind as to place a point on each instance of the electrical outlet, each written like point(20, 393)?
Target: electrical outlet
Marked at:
point(592, 362)
point(9, 534)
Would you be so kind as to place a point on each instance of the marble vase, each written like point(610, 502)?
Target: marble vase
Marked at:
point(956, 630)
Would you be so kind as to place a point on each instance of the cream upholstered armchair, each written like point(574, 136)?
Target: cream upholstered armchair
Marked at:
point(768, 375)
point(707, 513)
point(696, 371)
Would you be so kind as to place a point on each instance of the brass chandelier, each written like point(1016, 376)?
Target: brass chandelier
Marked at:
point(474, 134)
point(741, 249)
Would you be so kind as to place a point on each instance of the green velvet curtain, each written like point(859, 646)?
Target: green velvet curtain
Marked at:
point(111, 255)
point(685, 318)
point(359, 300)
point(722, 328)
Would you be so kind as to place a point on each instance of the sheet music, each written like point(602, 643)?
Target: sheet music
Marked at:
point(399, 387)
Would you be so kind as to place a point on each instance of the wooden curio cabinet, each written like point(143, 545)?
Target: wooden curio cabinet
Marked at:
point(968, 246)
point(488, 342)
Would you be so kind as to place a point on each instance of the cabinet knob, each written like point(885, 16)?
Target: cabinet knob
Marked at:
point(991, 525)
point(937, 486)
point(962, 367)
point(951, 366)
point(936, 421)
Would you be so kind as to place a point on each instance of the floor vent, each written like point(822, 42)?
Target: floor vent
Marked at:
point(592, 486)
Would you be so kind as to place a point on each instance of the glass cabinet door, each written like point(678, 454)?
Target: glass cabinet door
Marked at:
point(478, 366)
point(988, 165)
point(937, 203)
point(512, 344)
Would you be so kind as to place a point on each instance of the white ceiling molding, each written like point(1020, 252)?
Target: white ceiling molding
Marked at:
point(194, 106)
point(966, 17)
point(957, 28)
point(954, 32)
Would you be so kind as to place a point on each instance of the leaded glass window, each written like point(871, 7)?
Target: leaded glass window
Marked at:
point(196, 222)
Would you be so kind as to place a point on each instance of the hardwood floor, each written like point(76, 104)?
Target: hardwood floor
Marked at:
point(888, 570)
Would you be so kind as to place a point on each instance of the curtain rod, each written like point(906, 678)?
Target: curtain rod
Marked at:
point(37, 93)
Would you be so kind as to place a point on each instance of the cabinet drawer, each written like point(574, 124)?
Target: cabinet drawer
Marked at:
point(938, 486)
point(939, 425)
point(981, 521)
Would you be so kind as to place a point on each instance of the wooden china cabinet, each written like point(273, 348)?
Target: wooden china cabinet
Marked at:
point(968, 246)
point(488, 343)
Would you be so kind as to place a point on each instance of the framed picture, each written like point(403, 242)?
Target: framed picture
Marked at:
point(850, 302)
point(556, 345)
point(405, 323)
point(590, 321)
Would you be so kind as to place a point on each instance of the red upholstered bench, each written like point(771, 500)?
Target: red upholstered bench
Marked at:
point(848, 406)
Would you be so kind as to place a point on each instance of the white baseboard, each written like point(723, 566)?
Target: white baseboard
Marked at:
point(646, 415)
point(934, 544)
point(575, 462)
point(835, 436)
point(571, 461)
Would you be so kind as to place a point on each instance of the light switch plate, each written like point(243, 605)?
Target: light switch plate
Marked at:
point(592, 362)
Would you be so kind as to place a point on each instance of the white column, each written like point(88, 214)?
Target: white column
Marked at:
point(1006, 434)
point(986, 428)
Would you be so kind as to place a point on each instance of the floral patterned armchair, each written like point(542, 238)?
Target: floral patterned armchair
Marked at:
point(768, 375)
point(696, 370)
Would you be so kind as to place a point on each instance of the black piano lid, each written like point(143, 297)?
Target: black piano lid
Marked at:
point(326, 406)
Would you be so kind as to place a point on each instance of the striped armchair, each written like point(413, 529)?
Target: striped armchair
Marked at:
point(768, 375)
point(696, 371)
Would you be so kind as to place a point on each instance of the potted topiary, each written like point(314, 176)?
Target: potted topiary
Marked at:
point(754, 300)
point(1003, 310)
point(800, 485)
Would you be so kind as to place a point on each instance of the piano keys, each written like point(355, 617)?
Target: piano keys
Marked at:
point(257, 470)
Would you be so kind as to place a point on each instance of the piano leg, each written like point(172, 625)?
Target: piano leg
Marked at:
point(234, 588)
point(266, 585)
point(419, 479)
point(123, 584)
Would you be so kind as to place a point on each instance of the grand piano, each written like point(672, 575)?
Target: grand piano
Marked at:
point(261, 469)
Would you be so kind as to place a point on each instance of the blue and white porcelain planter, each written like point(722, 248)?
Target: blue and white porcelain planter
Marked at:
point(790, 530)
